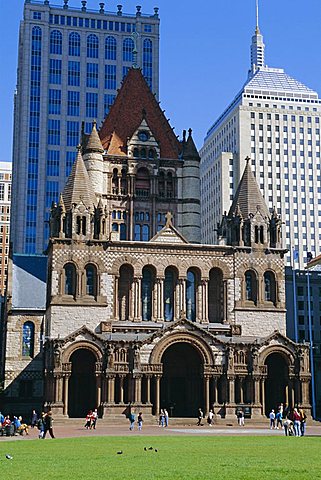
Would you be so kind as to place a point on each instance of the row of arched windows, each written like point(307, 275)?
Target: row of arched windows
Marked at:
point(110, 48)
point(69, 284)
point(170, 298)
point(252, 290)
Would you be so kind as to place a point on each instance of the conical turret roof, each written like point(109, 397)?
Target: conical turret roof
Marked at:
point(93, 143)
point(78, 187)
point(248, 198)
point(189, 147)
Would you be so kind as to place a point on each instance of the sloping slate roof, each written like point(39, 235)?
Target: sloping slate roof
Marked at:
point(78, 187)
point(134, 101)
point(275, 80)
point(29, 274)
point(248, 196)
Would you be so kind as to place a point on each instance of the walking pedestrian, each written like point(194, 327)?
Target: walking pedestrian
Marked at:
point(34, 419)
point(272, 419)
point(297, 422)
point(288, 427)
point(166, 416)
point(94, 418)
point(210, 417)
point(200, 417)
point(303, 419)
point(88, 420)
point(279, 419)
point(41, 425)
point(48, 421)
point(131, 419)
point(161, 422)
point(140, 421)
point(240, 418)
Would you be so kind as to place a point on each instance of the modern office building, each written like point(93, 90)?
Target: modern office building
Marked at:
point(5, 202)
point(275, 120)
point(71, 63)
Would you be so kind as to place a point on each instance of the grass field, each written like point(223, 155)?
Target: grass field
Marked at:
point(177, 458)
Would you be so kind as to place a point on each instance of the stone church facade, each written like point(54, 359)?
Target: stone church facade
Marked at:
point(138, 311)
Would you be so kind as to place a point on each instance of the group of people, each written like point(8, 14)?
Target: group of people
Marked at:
point(16, 425)
point(163, 418)
point(91, 419)
point(200, 416)
point(293, 421)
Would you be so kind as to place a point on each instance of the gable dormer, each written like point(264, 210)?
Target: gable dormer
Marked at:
point(143, 145)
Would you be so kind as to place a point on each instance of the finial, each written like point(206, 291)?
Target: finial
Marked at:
point(84, 3)
point(168, 217)
point(65, 4)
point(184, 136)
point(78, 148)
point(138, 10)
point(190, 132)
point(247, 159)
point(94, 123)
point(119, 9)
point(156, 10)
point(102, 7)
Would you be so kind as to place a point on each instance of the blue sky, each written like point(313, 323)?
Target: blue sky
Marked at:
point(204, 53)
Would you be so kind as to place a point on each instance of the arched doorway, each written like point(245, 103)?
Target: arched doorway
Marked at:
point(182, 383)
point(82, 383)
point(276, 382)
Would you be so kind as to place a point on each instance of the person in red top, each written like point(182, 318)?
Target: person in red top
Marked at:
point(7, 421)
point(88, 419)
point(297, 422)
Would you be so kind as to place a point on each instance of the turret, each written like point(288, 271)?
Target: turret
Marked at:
point(190, 224)
point(93, 158)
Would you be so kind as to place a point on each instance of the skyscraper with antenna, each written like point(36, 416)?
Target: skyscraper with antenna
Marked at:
point(274, 119)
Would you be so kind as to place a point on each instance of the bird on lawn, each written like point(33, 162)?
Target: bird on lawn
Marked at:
point(9, 457)
point(145, 448)
point(150, 448)
point(120, 452)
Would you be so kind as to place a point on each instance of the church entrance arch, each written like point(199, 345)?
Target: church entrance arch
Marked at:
point(182, 382)
point(82, 383)
point(277, 381)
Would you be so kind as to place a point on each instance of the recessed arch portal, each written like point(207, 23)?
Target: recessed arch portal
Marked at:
point(82, 383)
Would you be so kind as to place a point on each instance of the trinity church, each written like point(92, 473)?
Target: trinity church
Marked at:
point(137, 310)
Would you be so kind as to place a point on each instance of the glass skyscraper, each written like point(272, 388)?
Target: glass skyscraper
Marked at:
point(71, 62)
point(275, 120)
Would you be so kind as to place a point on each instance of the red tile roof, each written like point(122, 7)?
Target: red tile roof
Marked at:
point(133, 102)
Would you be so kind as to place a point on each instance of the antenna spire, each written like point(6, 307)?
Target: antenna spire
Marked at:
point(257, 17)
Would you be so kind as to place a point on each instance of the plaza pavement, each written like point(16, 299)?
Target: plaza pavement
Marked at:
point(73, 430)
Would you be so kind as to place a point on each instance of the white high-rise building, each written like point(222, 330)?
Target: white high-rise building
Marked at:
point(71, 62)
point(275, 120)
point(5, 203)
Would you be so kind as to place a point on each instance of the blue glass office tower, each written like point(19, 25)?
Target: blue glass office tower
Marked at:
point(71, 62)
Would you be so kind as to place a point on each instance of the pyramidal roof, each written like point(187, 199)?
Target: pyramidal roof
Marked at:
point(78, 187)
point(275, 80)
point(134, 102)
point(189, 147)
point(248, 198)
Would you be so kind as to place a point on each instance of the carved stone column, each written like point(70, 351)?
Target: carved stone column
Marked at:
point(157, 394)
point(139, 299)
point(111, 388)
point(116, 298)
point(207, 393)
point(263, 395)
point(305, 387)
point(199, 302)
point(205, 300)
point(256, 390)
point(138, 388)
point(231, 389)
point(215, 397)
point(241, 384)
point(121, 387)
point(225, 301)
point(148, 389)
point(66, 386)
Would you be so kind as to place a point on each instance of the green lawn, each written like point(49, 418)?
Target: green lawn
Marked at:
point(181, 457)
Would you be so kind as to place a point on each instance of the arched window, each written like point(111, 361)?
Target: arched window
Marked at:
point(123, 232)
point(148, 61)
point(147, 293)
point(145, 233)
point(143, 153)
point(269, 287)
point(123, 182)
point(215, 296)
point(114, 182)
point(28, 339)
point(250, 286)
point(124, 290)
point(128, 47)
point(169, 292)
point(142, 183)
point(74, 44)
point(56, 42)
point(191, 296)
point(92, 46)
point(151, 154)
point(170, 185)
point(161, 184)
point(91, 280)
point(70, 279)
point(110, 48)
point(136, 153)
